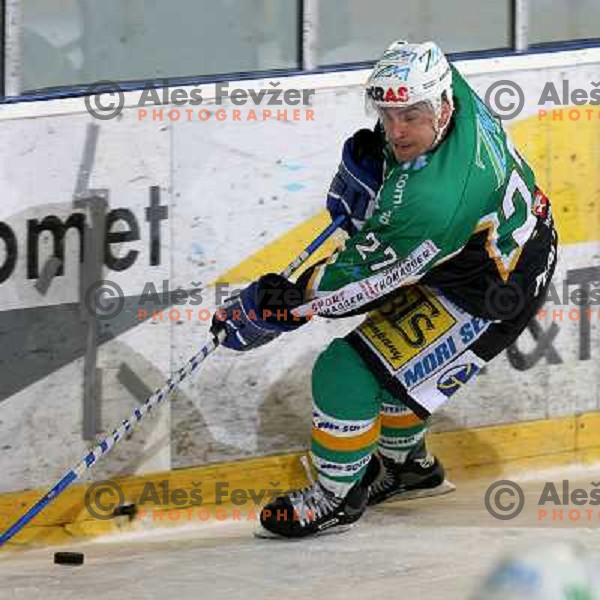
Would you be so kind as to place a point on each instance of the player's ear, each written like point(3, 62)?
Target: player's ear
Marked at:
point(446, 111)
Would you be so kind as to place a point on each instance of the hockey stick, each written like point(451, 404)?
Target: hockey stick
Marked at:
point(104, 446)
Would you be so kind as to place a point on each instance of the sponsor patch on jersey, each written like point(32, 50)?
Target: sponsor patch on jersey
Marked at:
point(412, 321)
point(541, 204)
point(357, 294)
point(452, 379)
point(439, 355)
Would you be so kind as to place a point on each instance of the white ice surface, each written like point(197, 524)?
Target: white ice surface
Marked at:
point(432, 548)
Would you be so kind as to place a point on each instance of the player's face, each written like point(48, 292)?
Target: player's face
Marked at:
point(410, 131)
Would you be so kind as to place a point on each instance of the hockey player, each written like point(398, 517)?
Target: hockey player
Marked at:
point(451, 248)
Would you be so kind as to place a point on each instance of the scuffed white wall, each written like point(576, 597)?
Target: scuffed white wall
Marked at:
point(229, 188)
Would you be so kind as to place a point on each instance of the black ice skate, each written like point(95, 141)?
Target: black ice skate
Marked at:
point(313, 510)
point(419, 476)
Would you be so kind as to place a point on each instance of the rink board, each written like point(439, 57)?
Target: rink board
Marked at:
point(232, 492)
point(192, 222)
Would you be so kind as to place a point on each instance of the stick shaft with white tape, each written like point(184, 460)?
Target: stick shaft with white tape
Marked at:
point(159, 396)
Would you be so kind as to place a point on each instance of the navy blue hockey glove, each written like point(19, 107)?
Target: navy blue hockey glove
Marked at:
point(355, 185)
point(260, 313)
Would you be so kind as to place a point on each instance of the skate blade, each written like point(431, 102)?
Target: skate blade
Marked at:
point(444, 488)
point(264, 534)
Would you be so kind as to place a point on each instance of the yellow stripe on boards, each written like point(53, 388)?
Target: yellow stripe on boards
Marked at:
point(275, 256)
point(564, 156)
point(466, 454)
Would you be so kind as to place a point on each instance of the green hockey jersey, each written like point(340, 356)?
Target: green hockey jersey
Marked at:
point(456, 218)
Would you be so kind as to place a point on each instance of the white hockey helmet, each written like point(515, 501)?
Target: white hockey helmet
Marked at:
point(408, 74)
point(549, 572)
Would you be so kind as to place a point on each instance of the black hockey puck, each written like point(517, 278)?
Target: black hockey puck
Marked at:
point(68, 558)
point(126, 510)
